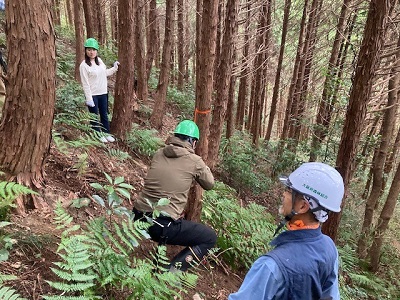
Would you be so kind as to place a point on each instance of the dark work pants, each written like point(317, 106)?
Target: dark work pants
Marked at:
point(181, 232)
point(101, 108)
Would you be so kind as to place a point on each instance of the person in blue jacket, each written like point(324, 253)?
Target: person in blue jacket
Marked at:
point(304, 263)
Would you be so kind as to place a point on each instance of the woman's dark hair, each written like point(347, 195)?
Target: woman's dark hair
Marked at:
point(88, 62)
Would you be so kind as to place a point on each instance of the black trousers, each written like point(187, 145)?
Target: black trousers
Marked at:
point(181, 232)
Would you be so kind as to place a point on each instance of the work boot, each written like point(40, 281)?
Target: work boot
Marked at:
point(186, 258)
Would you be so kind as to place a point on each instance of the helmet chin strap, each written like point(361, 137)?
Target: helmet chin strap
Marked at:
point(289, 216)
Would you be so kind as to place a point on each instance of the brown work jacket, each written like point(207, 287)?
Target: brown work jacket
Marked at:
point(171, 174)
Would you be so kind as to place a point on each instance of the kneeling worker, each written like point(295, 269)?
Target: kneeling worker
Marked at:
point(171, 174)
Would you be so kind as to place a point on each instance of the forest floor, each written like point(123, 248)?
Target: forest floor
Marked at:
point(35, 252)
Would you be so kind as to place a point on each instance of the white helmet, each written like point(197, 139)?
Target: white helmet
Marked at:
point(318, 181)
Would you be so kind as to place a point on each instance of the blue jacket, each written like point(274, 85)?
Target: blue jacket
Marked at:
point(303, 265)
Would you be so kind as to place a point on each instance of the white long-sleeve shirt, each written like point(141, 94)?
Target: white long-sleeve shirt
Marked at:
point(94, 78)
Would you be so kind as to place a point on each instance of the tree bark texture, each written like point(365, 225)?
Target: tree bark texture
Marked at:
point(225, 73)
point(114, 20)
point(368, 60)
point(79, 49)
point(260, 67)
point(161, 93)
point(152, 37)
point(275, 94)
point(140, 56)
point(218, 41)
point(69, 13)
point(100, 20)
point(125, 102)
point(326, 105)
point(230, 119)
point(383, 221)
point(204, 81)
point(56, 8)
point(89, 21)
point(392, 156)
point(301, 87)
point(25, 127)
point(181, 44)
point(204, 85)
point(291, 95)
point(389, 120)
point(244, 76)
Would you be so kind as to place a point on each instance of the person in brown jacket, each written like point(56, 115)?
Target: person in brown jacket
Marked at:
point(171, 174)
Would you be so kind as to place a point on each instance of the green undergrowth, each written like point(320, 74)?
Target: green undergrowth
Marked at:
point(243, 232)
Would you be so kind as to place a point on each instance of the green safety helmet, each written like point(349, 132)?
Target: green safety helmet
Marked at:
point(188, 128)
point(91, 43)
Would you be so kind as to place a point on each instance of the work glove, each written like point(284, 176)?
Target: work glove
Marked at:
point(116, 64)
point(90, 103)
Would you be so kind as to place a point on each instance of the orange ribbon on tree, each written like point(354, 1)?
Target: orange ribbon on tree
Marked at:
point(202, 112)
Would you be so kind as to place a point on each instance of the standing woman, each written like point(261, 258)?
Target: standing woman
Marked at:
point(94, 75)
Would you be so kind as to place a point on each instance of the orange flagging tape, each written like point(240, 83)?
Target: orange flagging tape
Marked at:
point(204, 112)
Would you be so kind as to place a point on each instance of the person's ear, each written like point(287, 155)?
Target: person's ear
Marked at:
point(303, 206)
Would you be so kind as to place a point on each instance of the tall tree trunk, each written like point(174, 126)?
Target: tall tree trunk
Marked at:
point(290, 102)
point(326, 106)
point(218, 41)
point(88, 12)
point(29, 106)
point(301, 88)
point(392, 156)
point(152, 37)
point(78, 23)
point(125, 102)
point(101, 22)
point(188, 51)
point(368, 60)
point(260, 65)
point(364, 152)
point(172, 73)
point(389, 119)
point(244, 75)
point(275, 94)
point(383, 221)
point(225, 74)
point(114, 20)
point(161, 93)
point(181, 44)
point(369, 139)
point(56, 8)
point(204, 86)
point(140, 55)
point(230, 121)
point(69, 13)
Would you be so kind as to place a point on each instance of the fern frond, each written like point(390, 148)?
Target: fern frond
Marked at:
point(60, 143)
point(68, 276)
point(91, 139)
point(118, 154)
point(243, 232)
point(70, 297)
point(97, 234)
point(115, 242)
point(4, 277)
point(11, 190)
point(7, 293)
point(62, 217)
point(67, 287)
point(130, 231)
